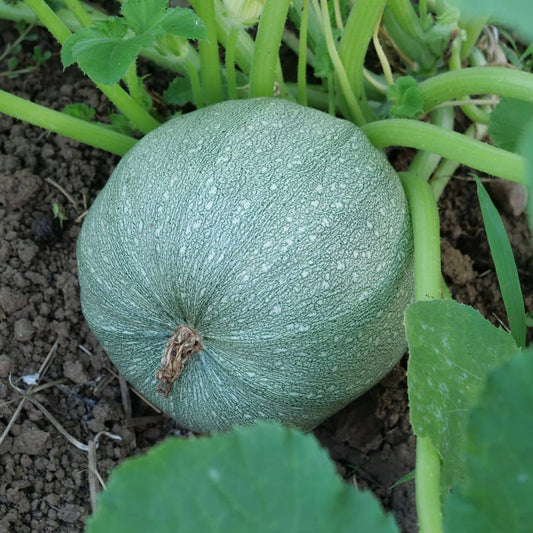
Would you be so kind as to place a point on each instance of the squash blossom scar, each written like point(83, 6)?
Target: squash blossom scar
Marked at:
point(183, 342)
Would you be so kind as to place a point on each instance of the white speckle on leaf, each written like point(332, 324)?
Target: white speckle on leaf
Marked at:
point(214, 474)
point(523, 477)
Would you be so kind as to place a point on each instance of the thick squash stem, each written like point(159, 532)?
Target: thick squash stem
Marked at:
point(265, 75)
point(91, 133)
point(448, 144)
point(425, 220)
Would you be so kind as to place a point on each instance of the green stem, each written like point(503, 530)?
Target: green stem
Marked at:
point(209, 54)
point(77, 9)
point(230, 63)
point(316, 95)
point(49, 19)
point(476, 80)
point(425, 219)
point(353, 46)
point(96, 135)
point(353, 108)
point(473, 27)
point(264, 72)
point(427, 482)
point(424, 163)
point(244, 49)
point(475, 114)
point(302, 55)
point(417, 54)
point(196, 86)
point(447, 167)
point(131, 109)
point(423, 13)
point(448, 144)
point(132, 81)
point(404, 13)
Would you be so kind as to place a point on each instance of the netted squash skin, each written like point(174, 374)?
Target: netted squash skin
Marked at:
point(279, 235)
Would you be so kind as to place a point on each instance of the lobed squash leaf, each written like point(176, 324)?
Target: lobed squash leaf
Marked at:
point(105, 50)
point(452, 348)
point(405, 98)
point(498, 489)
point(509, 121)
point(262, 478)
point(154, 17)
point(516, 13)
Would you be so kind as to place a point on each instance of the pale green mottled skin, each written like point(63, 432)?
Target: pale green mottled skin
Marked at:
point(278, 233)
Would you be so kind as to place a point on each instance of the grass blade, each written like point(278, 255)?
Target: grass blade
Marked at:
point(504, 262)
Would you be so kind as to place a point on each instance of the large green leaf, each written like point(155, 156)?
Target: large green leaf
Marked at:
point(509, 121)
point(516, 13)
point(451, 350)
point(257, 479)
point(156, 18)
point(102, 51)
point(498, 493)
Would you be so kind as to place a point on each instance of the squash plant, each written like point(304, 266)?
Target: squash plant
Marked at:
point(427, 64)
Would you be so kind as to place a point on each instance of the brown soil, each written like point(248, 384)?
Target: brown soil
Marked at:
point(44, 477)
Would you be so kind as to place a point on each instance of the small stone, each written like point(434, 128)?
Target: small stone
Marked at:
point(27, 251)
point(74, 371)
point(23, 330)
point(31, 440)
point(11, 300)
point(7, 366)
point(71, 513)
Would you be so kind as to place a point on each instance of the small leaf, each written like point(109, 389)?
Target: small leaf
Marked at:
point(452, 348)
point(405, 98)
point(508, 122)
point(155, 18)
point(101, 52)
point(82, 111)
point(262, 478)
point(184, 23)
point(112, 27)
point(498, 489)
point(12, 63)
point(410, 476)
point(322, 64)
point(141, 15)
point(121, 124)
point(179, 92)
point(504, 262)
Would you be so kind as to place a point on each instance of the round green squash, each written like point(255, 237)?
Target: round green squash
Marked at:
point(249, 260)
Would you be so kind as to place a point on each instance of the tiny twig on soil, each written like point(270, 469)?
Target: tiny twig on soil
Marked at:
point(63, 191)
point(94, 476)
point(31, 389)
